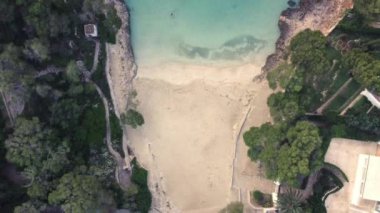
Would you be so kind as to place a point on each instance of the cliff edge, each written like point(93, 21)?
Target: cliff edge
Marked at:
point(322, 15)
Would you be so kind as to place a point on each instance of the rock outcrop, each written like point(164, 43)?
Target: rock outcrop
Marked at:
point(322, 15)
point(120, 67)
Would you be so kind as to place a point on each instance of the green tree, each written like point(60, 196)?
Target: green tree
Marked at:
point(140, 179)
point(308, 50)
point(295, 158)
point(233, 207)
point(37, 49)
point(73, 72)
point(370, 9)
point(57, 158)
point(35, 147)
point(263, 143)
point(65, 113)
point(92, 129)
point(280, 75)
point(12, 68)
point(368, 75)
point(38, 190)
point(284, 106)
point(109, 25)
point(27, 145)
point(93, 6)
point(58, 25)
point(102, 166)
point(339, 131)
point(78, 192)
point(37, 14)
point(290, 202)
point(258, 196)
point(27, 207)
point(356, 57)
point(364, 121)
point(132, 118)
point(366, 69)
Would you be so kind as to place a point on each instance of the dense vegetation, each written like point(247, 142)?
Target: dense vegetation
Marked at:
point(290, 201)
point(286, 153)
point(52, 121)
point(261, 199)
point(370, 9)
point(132, 118)
point(306, 112)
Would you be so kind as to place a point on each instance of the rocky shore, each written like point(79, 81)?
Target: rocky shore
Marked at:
point(121, 70)
point(120, 67)
point(322, 15)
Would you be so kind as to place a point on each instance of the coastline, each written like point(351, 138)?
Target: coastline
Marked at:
point(322, 16)
point(202, 94)
point(121, 68)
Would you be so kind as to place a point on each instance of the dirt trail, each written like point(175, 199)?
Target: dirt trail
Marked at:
point(96, 57)
point(123, 170)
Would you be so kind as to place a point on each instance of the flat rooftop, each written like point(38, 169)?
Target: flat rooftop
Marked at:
point(372, 182)
point(345, 153)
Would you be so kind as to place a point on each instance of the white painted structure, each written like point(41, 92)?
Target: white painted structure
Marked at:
point(275, 193)
point(91, 30)
point(371, 98)
point(367, 181)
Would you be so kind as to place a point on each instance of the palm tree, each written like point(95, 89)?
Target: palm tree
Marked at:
point(290, 201)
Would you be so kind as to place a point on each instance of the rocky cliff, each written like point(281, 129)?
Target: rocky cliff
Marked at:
point(322, 15)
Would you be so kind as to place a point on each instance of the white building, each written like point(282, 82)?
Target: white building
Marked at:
point(360, 162)
point(367, 181)
point(371, 98)
point(91, 30)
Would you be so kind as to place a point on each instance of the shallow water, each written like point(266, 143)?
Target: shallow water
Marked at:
point(214, 31)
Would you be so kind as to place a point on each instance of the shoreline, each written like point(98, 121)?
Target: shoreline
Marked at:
point(168, 99)
point(123, 70)
point(322, 16)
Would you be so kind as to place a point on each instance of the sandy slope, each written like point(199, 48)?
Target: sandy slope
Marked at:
point(188, 140)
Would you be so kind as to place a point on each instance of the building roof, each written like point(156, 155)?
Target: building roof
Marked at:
point(345, 153)
point(367, 181)
point(90, 30)
point(372, 182)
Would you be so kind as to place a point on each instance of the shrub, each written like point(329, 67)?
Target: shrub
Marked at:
point(143, 197)
point(132, 118)
point(258, 196)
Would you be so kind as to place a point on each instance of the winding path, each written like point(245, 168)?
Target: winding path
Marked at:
point(123, 170)
point(96, 57)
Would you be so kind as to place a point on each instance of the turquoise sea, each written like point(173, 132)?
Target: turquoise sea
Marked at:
point(204, 30)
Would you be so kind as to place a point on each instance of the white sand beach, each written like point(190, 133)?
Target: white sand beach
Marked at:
point(191, 142)
point(192, 115)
